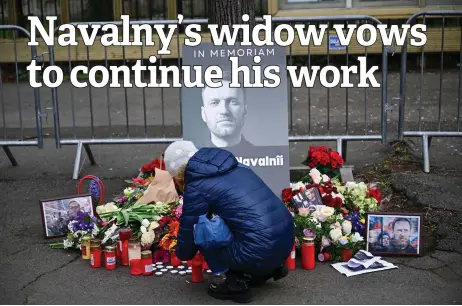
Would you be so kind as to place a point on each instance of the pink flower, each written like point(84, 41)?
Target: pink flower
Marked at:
point(123, 199)
point(315, 175)
point(179, 211)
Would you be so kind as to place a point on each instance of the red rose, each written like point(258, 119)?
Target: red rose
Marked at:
point(287, 194)
point(338, 202)
point(328, 200)
point(163, 221)
point(375, 193)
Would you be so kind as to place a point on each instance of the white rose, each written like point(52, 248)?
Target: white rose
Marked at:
point(100, 209)
point(322, 217)
point(325, 178)
point(346, 227)
point(315, 175)
point(327, 211)
point(297, 186)
point(111, 207)
point(143, 229)
point(145, 223)
point(315, 215)
point(335, 234)
point(356, 237)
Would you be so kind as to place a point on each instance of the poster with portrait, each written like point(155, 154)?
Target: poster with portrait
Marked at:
point(250, 122)
point(58, 212)
point(394, 233)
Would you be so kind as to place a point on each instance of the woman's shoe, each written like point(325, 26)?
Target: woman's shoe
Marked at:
point(230, 289)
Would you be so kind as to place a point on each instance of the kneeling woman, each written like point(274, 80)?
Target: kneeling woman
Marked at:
point(262, 227)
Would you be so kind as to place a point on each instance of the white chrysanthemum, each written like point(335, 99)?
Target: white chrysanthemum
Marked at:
point(148, 237)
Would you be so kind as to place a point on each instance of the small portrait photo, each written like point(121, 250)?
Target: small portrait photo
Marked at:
point(394, 234)
point(308, 199)
point(57, 213)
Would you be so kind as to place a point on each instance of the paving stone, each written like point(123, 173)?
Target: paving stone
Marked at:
point(425, 262)
point(394, 260)
point(457, 268)
point(447, 274)
point(447, 257)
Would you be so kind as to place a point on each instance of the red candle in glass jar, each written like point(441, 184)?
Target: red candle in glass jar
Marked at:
point(124, 235)
point(110, 257)
point(95, 256)
point(197, 274)
point(308, 253)
point(290, 261)
point(146, 262)
point(118, 249)
point(136, 267)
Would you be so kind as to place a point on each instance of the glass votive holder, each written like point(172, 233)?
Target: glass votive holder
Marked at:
point(136, 267)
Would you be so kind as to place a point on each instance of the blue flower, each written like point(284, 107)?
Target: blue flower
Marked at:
point(355, 222)
point(94, 189)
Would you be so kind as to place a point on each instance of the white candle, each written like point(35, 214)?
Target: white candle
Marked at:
point(134, 251)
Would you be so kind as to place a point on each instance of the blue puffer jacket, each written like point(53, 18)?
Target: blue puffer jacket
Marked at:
point(262, 227)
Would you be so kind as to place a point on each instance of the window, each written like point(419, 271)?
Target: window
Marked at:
point(443, 2)
point(384, 3)
point(310, 4)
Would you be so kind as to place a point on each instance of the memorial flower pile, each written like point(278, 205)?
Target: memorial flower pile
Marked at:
point(147, 221)
point(81, 225)
point(338, 223)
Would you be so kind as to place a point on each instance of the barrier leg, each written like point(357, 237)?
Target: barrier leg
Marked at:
point(342, 148)
point(90, 154)
point(75, 175)
point(426, 147)
point(10, 156)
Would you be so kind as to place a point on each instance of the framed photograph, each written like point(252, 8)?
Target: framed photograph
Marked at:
point(394, 233)
point(57, 213)
point(307, 199)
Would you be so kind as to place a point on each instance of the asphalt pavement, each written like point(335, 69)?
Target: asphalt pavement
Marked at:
point(33, 273)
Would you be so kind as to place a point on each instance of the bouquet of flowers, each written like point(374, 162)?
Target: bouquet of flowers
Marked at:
point(81, 225)
point(148, 170)
point(325, 160)
point(339, 223)
point(332, 232)
point(329, 193)
point(171, 226)
point(358, 196)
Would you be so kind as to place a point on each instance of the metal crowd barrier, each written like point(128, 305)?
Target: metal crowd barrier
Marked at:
point(19, 103)
point(447, 109)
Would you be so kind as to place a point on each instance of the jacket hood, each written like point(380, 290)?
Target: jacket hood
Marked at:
point(209, 162)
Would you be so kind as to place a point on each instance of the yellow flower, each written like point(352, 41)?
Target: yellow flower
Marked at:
point(362, 221)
